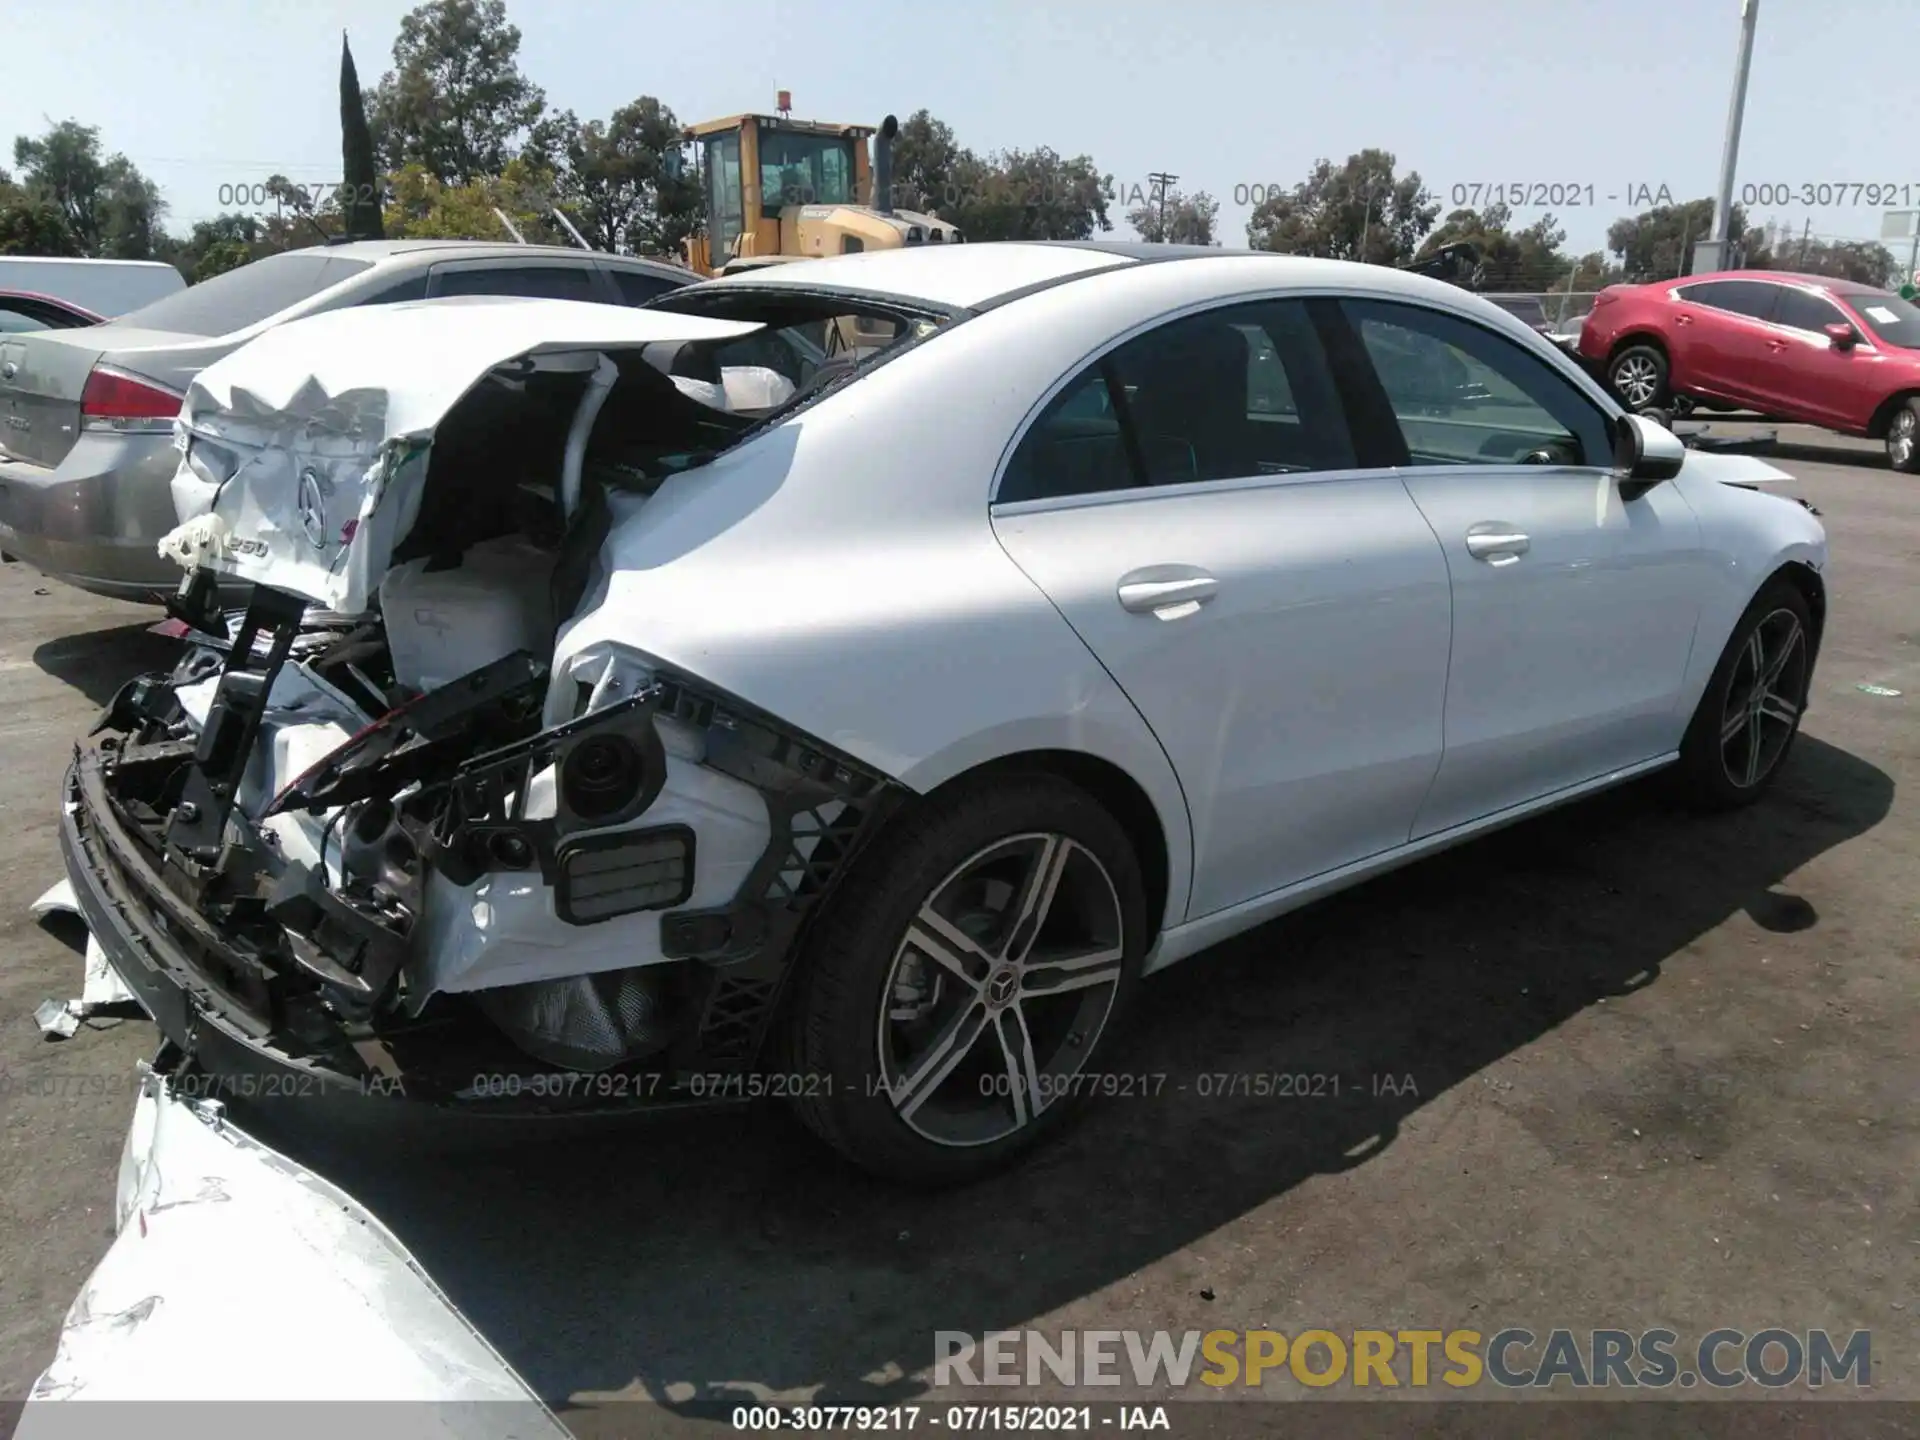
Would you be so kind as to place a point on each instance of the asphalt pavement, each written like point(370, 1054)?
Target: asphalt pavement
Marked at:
point(1642, 1069)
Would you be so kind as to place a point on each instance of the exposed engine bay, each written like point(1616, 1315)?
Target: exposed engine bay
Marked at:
point(387, 846)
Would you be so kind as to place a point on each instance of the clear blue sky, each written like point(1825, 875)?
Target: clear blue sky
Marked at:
point(1612, 94)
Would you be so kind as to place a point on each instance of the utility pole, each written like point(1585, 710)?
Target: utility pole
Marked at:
point(1806, 234)
point(1715, 250)
point(1366, 220)
point(1161, 181)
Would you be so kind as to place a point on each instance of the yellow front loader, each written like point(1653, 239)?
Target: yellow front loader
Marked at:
point(780, 189)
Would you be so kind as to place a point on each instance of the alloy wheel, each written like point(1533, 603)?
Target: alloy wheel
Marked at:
point(1637, 380)
point(1000, 989)
point(1764, 696)
point(1900, 438)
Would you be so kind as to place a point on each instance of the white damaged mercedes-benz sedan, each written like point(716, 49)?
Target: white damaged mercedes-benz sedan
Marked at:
point(846, 680)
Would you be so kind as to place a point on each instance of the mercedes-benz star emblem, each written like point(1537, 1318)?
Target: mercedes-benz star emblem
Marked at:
point(313, 509)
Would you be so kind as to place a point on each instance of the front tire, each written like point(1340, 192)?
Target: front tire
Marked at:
point(1903, 438)
point(1748, 718)
point(1638, 376)
point(963, 978)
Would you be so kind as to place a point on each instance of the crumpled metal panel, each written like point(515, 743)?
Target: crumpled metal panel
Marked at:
point(238, 1275)
point(314, 409)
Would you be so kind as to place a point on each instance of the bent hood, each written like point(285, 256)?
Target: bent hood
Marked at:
point(303, 453)
point(238, 1274)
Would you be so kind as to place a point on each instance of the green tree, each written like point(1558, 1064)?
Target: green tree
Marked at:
point(1657, 244)
point(1863, 262)
point(925, 160)
point(422, 207)
point(1592, 272)
point(1027, 195)
point(31, 224)
point(455, 102)
point(1180, 220)
point(1511, 260)
point(618, 180)
point(1356, 211)
point(1035, 194)
point(105, 205)
point(359, 173)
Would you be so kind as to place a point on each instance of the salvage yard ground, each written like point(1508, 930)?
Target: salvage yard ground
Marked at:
point(1645, 1071)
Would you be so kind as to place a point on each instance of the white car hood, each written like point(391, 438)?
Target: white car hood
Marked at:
point(239, 1275)
point(332, 416)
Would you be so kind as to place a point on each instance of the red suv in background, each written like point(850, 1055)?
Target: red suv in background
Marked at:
point(1800, 348)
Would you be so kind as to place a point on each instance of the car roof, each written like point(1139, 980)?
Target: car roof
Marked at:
point(986, 274)
point(427, 251)
point(1782, 277)
point(956, 276)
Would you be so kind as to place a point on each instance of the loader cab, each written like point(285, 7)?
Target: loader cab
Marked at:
point(770, 184)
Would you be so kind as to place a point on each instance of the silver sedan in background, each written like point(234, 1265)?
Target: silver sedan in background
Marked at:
point(86, 415)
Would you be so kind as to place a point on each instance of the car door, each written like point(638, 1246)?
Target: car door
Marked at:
point(545, 278)
point(1573, 607)
point(1805, 376)
point(1721, 341)
point(1278, 614)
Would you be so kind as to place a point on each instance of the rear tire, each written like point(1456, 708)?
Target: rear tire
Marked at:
point(1747, 719)
point(940, 1029)
point(1638, 376)
point(1903, 438)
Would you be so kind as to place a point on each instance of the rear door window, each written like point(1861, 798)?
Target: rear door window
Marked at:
point(414, 287)
point(1752, 298)
point(546, 282)
point(1237, 392)
point(247, 295)
point(637, 287)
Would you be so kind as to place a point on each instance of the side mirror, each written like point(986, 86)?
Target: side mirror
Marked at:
point(1645, 453)
point(1843, 335)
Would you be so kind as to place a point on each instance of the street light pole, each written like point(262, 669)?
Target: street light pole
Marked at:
point(1716, 248)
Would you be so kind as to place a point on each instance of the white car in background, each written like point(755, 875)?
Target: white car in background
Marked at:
point(103, 288)
point(589, 743)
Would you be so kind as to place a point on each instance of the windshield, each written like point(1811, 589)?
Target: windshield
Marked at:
point(245, 296)
point(804, 170)
point(1892, 320)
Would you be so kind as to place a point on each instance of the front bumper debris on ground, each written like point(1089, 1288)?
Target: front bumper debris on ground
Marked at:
point(238, 1275)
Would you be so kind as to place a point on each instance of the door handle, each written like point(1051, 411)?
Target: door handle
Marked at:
point(1496, 543)
point(1168, 591)
point(1683, 319)
point(1776, 345)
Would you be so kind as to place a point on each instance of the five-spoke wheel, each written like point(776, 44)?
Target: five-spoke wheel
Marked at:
point(1751, 710)
point(1000, 989)
point(1762, 707)
point(1903, 438)
point(963, 979)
